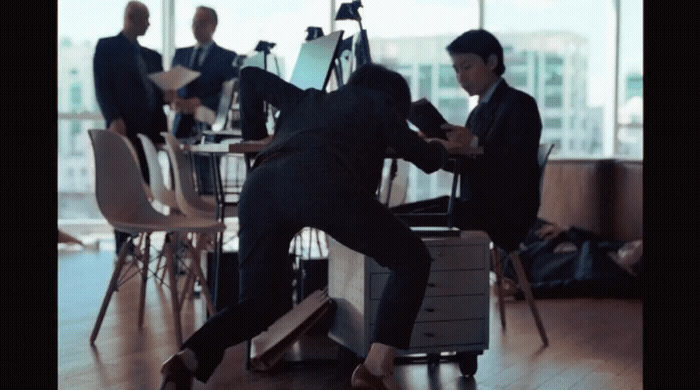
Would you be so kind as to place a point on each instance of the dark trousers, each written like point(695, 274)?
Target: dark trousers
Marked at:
point(276, 202)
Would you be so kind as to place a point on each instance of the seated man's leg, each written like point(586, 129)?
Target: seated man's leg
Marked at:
point(365, 225)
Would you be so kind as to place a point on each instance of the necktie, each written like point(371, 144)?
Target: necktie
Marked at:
point(195, 60)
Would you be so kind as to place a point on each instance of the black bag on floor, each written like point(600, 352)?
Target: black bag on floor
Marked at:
point(586, 269)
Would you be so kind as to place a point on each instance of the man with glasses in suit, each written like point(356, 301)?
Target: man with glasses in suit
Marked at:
point(216, 66)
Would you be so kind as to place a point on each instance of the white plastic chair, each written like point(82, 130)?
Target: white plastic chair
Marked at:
point(122, 200)
point(188, 200)
point(157, 183)
point(161, 193)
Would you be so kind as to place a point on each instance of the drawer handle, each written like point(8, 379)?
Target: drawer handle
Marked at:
point(430, 284)
point(429, 309)
point(428, 334)
point(440, 253)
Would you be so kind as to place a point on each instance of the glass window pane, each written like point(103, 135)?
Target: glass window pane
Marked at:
point(558, 52)
point(631, 81)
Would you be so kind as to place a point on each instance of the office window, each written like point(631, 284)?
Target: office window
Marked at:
point(517, 80)
point(553, 67)
point(76, 131)
point(553, 101)
point(455, 110)
point(447, 77)
point(552, 123)
point(406, 71)
point(572, 42)
point(76, 96)
point(564, 44)
point(425, 81)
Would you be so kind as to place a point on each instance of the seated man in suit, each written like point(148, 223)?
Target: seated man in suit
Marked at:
point(499, 190)
point(216, 66)
point(130, 102)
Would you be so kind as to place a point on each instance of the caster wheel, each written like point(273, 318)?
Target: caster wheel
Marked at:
point(433, 359)
point(467, 363)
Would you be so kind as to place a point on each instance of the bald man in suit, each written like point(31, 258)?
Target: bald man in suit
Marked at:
point(130, 102)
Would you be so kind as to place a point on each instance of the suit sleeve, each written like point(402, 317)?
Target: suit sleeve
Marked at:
point(256, 87)
point(103, 88)
point(427, 156)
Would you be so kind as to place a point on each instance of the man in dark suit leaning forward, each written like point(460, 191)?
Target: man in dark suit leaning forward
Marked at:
point(216, 66)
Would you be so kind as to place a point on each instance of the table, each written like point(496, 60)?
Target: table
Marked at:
point(213, 150)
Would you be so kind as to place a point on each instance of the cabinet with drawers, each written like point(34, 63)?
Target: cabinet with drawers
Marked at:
point(454, 316)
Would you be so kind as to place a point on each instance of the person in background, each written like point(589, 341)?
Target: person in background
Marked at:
point(129, 101)
point(216, 66)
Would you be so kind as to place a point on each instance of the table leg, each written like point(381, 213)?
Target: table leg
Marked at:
point(219, 238)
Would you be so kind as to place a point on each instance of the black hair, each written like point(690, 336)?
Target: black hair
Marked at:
point(379, 78)
point(480, 42)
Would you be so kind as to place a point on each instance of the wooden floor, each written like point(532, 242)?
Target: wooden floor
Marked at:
point(594, 343)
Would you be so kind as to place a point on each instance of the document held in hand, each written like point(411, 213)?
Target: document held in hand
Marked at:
point(427, 118)
point(177, 77)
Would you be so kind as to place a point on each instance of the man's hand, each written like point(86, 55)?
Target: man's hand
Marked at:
point(118, 126)
point(458, 139)
point(186, 106)
point(549, 231)
point(459, 134)
point(169, 95)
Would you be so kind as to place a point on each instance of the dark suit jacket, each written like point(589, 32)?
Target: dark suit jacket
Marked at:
point(121, 91)
point(504, 181)
point(216, 68)
point(344, 134)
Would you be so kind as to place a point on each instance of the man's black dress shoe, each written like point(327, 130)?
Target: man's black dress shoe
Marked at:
point(175, 372)
point(363, 379)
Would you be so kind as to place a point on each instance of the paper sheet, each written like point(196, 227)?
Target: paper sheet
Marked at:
point(177, 77)
point(205, 114)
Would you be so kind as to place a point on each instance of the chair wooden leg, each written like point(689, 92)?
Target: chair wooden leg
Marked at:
point(160, 258)
point(144, 277)
point(525, 286)
point(111, 287)
point(498, 270)
point(188, 287)
point(170, 262)
point(197, 269)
